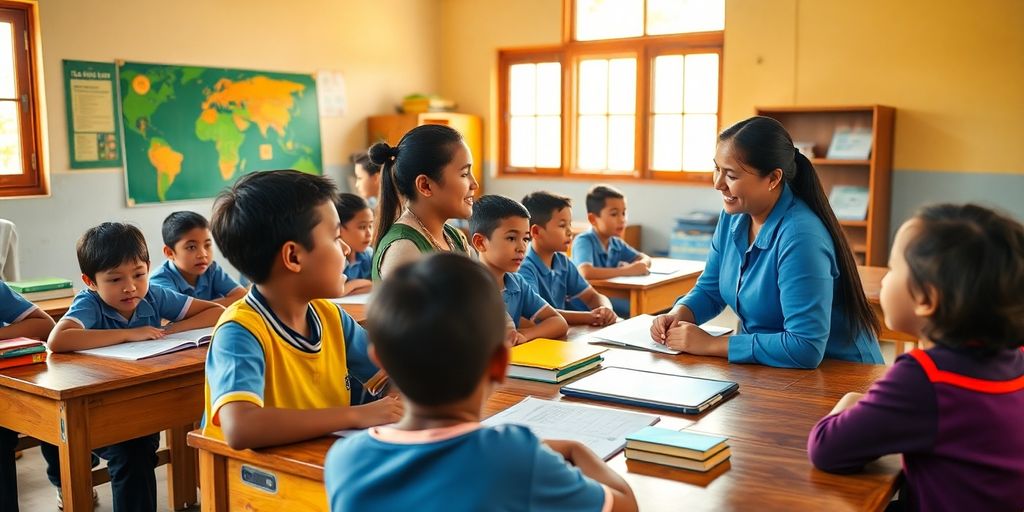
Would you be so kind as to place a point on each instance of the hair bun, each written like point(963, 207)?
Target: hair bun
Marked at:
point(382, 153)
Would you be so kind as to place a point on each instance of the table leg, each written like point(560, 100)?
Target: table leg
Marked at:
point(75, 458)
point(213, 474)
point(636, 303)
point(181, 475)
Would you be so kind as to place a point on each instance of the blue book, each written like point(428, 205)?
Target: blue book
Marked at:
point(676, 443)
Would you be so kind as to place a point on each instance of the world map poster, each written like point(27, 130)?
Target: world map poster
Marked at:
point(190, 131)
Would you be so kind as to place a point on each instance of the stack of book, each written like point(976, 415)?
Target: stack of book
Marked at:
point(43, 289)
point(21, 351)
point(552, 361)
point(679, 449)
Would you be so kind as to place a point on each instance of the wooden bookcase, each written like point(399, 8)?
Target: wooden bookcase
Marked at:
point(392, 127)
point(868, 238)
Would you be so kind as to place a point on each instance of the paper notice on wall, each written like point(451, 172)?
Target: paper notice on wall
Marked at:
point(330, 87)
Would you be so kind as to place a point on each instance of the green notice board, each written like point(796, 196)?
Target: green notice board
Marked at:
point(190, 131)
point(94, 136)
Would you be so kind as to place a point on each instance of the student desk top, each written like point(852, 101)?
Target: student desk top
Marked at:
point(871, 280)
point(80, 402)
point(652, 293)
point(767, 424)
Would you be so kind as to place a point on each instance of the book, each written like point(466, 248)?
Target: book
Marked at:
point(676, 443)
point(677, 393)
point(849, 202)
point(678, 462)
point(636, 333)
point(39, 285)
point(554, 375)
point(18, 352)
point(59, 293)
point(601, 429)
point(850, 144)
point(18, 344)
point(668, 266)
point(136, 350)
point(11, 362)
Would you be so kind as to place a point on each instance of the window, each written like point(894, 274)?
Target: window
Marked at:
point(633, 91)
point(20, 160)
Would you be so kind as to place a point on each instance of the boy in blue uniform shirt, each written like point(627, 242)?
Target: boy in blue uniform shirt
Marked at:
point(601, 253)
point(501, 233)
point(190, 268)
point(549, 270)
point(18, 318)
point(281, 364)
point(118, 306)
point(357, 232)
point(437, 329)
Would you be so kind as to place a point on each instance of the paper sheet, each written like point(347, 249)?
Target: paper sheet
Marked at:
point(636, 333)
point(358, 298)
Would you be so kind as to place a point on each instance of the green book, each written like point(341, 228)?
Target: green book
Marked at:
point(39, 285)
point(17, 352)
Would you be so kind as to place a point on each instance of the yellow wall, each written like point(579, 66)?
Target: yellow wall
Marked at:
point(953, 69)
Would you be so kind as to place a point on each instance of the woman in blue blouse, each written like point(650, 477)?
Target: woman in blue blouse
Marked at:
point(778, 259)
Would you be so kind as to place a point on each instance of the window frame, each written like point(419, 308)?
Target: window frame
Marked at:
point(568, 54)
point(32, 181)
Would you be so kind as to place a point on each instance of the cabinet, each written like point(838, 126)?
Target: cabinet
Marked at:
point(869, 237)
point(391, 128)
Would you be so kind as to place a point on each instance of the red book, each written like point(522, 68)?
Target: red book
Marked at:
point(17, 344)
point(22, 360)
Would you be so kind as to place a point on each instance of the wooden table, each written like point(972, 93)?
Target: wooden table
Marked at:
point(871, 280)
point(55, 307)
point(79, 402)
point(767, 424)
point(652, 293)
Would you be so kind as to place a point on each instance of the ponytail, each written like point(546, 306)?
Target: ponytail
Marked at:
point(389, 205)
point(765, 146)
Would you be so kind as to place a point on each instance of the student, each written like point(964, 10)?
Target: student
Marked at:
point(118, 306)
point(601, 253)
point(437, 329)
point(428, 171)
point(955, 410)
point(190, 268)
point(357, 233)
point(501, 234)
point(367, 178)
point(18, 318)
point(281, 363)
point(550, 271)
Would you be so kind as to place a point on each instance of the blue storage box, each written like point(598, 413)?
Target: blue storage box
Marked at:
point(691, 238)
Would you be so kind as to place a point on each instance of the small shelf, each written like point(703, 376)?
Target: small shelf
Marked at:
point(829, 161)
point(853, 223)
point(859, 248)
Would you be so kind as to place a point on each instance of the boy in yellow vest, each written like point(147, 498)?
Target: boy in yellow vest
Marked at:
point(281, 363)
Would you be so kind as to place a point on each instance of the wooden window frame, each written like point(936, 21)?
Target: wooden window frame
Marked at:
point(32, 181)
point(568, 54)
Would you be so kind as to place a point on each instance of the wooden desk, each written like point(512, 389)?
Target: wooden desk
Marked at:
point(656, 292)
point(80, 402)
point(356, 311)
point(631, 236)
point(871, 280)
point(767, 424)
point(55, 307)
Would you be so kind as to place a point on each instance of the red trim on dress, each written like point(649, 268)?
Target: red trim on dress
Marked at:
point(992, 387)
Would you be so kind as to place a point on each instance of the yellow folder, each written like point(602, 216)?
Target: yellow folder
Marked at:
point(552, 354)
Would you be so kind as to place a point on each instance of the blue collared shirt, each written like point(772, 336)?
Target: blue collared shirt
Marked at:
point(557, 285)
point(360, 268)
point(586, 248)
point(212, 284)
point(13, 307)
point(521, 299)
point(89, 310)
point(784, 289)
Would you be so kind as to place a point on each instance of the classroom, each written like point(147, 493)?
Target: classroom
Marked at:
point(795, 201)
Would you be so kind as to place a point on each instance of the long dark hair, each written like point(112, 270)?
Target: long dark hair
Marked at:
point(426, 150)
point(763, 144)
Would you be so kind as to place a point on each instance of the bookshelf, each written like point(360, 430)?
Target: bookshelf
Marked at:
point(869, 237)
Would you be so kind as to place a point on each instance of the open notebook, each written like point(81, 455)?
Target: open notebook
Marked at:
point(135, 350)
point(636, 333)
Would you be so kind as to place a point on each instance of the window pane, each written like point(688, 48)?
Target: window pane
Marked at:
point(668, 84)
point(549, 141)
point(8, 70)
point(701, 92)
point(593, 87)
point(521, 142)
point(10, 139)
point(592, 147)
point(522, 89)
point(549, 88)
point(699, 134)
point(621, 131)
point(621, 86)
point(667, 136)
point(679, 16)
point(609, 19)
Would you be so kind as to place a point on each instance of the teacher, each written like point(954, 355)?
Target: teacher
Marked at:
point(778, 259)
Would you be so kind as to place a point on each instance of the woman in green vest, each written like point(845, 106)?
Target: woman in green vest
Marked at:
point(428, 171)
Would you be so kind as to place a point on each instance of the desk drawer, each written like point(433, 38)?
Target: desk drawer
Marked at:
point(291, 492)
